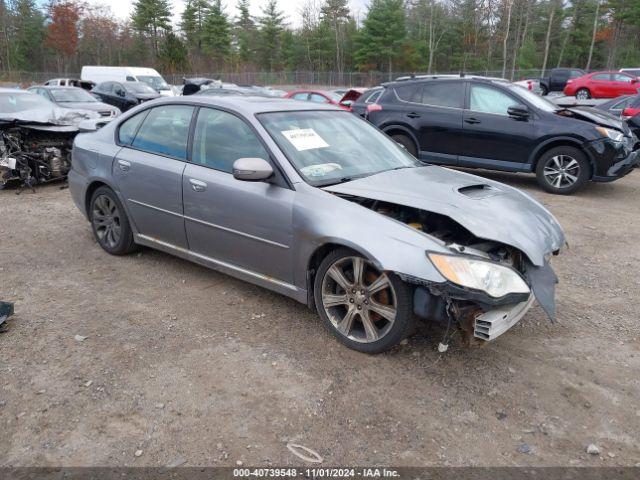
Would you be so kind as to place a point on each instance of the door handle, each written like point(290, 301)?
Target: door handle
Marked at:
point(471, 120)
point(124, 165)
point(413, 115)
point(197, 185)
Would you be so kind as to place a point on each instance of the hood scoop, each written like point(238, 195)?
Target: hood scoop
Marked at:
point(481, 190)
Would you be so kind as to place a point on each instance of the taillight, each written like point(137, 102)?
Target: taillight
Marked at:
point(627, 113)
point(530, 85)
point(374, 107)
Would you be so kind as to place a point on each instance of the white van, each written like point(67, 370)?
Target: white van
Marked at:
point(128, 74)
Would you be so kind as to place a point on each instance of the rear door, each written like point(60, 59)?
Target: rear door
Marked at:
point(245, 224)
point(148, 171)
point(437, 116)
point(493, 139)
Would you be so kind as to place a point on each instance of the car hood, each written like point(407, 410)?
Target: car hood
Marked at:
point(93, 106)
point(53, 116)
point(490, 210)
point(593, 115)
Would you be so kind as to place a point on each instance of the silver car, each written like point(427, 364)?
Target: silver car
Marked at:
point(312, 202)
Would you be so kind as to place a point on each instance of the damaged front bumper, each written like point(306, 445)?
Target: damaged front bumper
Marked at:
point(480, 317)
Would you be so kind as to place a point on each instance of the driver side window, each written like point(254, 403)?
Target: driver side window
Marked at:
point(221, 138)
point(489, 100)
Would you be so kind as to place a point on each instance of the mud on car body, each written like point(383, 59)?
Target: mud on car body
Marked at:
point(315, 203)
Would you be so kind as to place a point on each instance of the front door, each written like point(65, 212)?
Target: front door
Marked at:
point(493, 139)
point(148, 171)
point(245, 224)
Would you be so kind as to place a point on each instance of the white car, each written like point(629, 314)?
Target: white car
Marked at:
point(150, 76)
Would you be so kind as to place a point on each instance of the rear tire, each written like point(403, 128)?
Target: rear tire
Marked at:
point(583, 94)
point(544, 91)
point(111, 227)
point(365, 309)
point(563, 170)
point(407, 143)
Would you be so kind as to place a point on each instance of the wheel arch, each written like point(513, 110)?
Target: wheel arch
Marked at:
point(92, 186)
point(402, 130)
point(559, 142)
point(318, 255)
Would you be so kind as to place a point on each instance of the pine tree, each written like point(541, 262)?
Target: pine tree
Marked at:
point(245, 32)
point(152, 18)
point(216, 35)
point(26, 35)
point(173, 54)
point(271, 28)
point(192, 23)
point(382, 35)
point(334, 14)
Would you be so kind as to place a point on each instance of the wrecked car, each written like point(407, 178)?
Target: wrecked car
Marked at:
point(317, 204)
point(36, 138)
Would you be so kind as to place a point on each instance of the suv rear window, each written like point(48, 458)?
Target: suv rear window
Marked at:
point(443, 94)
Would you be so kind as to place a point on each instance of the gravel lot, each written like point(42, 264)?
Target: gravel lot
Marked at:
point(182, 364)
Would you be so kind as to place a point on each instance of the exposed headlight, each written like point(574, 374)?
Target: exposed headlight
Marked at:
point(496, 280)
point(615, 135)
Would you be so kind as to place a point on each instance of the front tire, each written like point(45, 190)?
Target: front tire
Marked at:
point(583, 94)
point(111, 227)
point(563, 170)
point(365, 309)
point(407, 143)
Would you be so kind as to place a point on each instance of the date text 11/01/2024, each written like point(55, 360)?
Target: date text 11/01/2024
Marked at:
point(316, 472)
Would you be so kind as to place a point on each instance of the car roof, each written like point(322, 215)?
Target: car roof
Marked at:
point(249, 105)
point(442, 78)
point(57, 87)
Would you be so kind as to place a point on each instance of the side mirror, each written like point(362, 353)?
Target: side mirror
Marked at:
point(252, 169)
point(120, 93)
point(520, 112)
point(634, 80)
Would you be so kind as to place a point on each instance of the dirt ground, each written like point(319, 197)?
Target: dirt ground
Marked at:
point(185, 365)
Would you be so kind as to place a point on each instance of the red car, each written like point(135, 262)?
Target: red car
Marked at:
point(326, 96)
point(602, 85)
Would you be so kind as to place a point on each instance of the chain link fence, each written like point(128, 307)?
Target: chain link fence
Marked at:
point(281, 78)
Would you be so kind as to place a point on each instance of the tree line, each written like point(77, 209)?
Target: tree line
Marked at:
point(502, 37)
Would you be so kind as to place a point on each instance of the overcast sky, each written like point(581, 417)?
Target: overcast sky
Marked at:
point(291, 8)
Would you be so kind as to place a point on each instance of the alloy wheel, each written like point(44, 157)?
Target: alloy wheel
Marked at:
point(105, 217)
point(582, 95)
point(561, 171)
point(359, 300)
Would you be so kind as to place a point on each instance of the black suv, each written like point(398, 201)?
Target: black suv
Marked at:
point(494, 124)
point(124, 95)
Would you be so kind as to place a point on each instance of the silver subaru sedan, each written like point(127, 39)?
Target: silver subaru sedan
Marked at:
point(315, 203)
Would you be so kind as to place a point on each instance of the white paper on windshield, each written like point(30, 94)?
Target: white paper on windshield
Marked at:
point(304, 139)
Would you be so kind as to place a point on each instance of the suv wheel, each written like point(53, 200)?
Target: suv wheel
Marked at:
point(365, 309)
point(583, 94)
point(407, 143)
point(563, 170)
point(544, 90)
point(110, 224)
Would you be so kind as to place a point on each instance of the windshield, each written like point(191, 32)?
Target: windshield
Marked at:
point(64, 95)
point(155, 82)
point(329, 147)
point(18, 102)
point(139, 87)
point(533, 98)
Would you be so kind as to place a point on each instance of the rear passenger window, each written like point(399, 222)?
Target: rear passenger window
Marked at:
point(408, 93)
point(165, 131)
point(221, 138)
point(129, 127)
point(490, 100)
point(314, 97)
point(443, 94)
